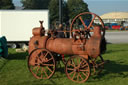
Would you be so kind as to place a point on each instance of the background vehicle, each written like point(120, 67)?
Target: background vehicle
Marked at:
point(16, 25)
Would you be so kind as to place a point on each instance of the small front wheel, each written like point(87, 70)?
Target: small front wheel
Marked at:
point(41, 64)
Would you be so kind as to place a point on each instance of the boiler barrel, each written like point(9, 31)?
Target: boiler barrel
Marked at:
point(60, 45)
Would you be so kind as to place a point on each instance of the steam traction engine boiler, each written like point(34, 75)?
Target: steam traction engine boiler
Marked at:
point(85, 46)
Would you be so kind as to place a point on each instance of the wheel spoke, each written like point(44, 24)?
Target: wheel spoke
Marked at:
point(41, 74)
point(71, 72)
point(48, 64)
point(45, 54)
point(38, 52)
point(84, 74)
point(74, 75)
point(71, 69)
point(50, 59)
point(81, 60)
point(82, 70)
point(78, 77)
point(82, 22)
point(78, 62)
point(41, 67)
point(37, 69)
point(73, 63)
point(38, 60)
point(42, 55)
point(91, 22)
point(85, 65)
point(45, 72)
point(49, 69)
point(81, 76)
point(34, 67)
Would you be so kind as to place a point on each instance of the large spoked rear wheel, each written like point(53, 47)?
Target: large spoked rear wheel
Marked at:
point(41, 64)
point(77, 69)
point(85, 21)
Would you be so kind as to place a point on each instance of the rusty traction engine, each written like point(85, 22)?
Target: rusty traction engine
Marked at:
point(84, 49)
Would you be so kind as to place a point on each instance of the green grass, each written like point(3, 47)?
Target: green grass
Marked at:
point(116, 30)
point(14, 71)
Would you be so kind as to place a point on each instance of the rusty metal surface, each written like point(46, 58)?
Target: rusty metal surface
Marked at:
point(66, 46)
point(32, 43)
point(39, 31)
point(41, 63)
point(93, 44)
point(85, 43)
point(77, 69)
point(60, 45)
point(37, 42)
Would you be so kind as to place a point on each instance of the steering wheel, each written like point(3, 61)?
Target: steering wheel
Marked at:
point(86, 24)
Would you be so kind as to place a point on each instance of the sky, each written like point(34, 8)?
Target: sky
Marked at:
point(17, 2)
point(105, 6)
point(100, 7)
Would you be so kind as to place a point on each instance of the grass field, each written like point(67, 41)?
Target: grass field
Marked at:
point(14, 71)
point(116, 30)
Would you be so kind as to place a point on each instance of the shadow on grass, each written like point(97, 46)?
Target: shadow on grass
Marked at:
point(18, 56)
point(14, 56)
point(115, 51)
point(3, 62)
point(114, 69)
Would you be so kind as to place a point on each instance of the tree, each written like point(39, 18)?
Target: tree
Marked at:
point(70, 8)
point(0, 3)
point(6, 4)
point(54, 11)
point(65, 12)
point(75, 7)
point(35, 4)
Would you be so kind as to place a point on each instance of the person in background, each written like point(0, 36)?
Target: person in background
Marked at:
point(60, 34)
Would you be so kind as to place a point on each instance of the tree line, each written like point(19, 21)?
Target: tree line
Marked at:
point(70, 8)
point(6, 4)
